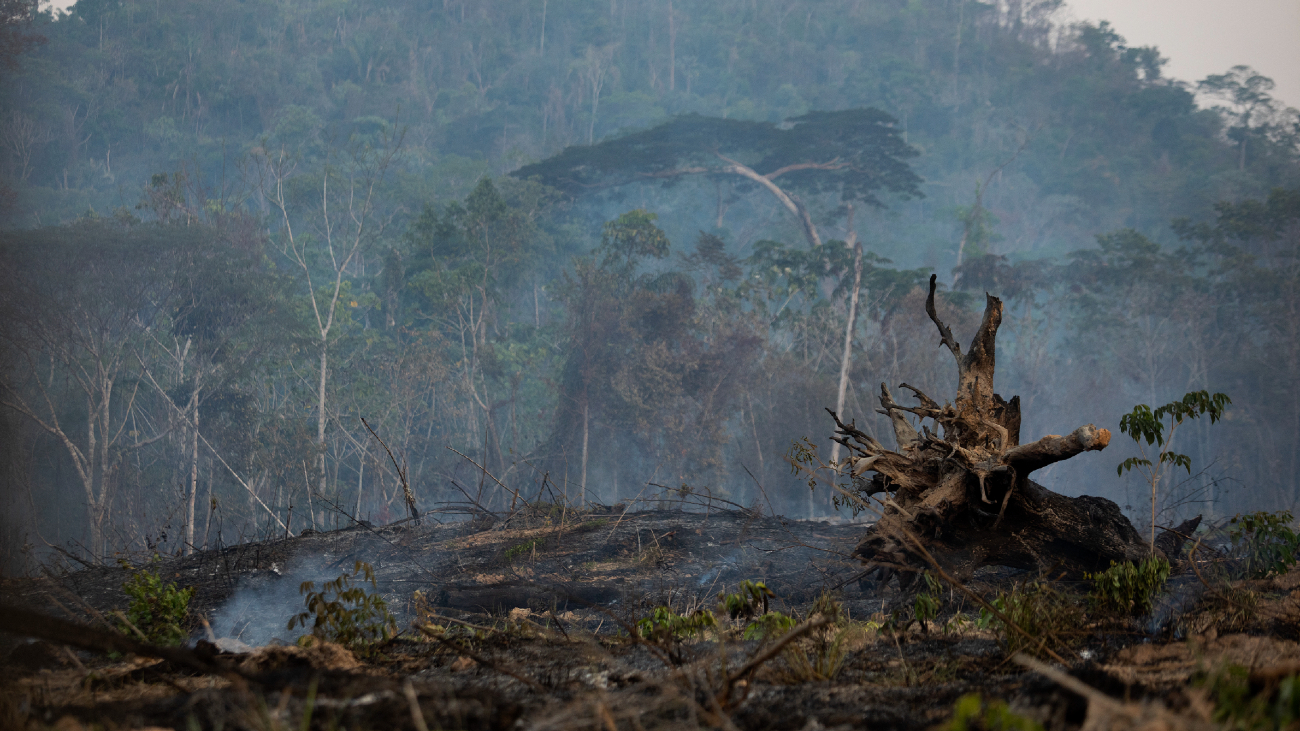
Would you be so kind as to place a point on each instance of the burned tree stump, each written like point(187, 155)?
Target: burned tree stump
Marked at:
point(962, 490)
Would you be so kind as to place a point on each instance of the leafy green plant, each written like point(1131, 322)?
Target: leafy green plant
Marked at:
point(666, 627)
point(344, 612)
point(1146, 424)
point(971, 713)
point(1266, 542)
point(769, 626)
point(1048, 615)
point(749, 600)
point(1128, 588)
point(819, 655)
point(1237, 706)
point(514, 552)
point(159, 610)
point(927, 602)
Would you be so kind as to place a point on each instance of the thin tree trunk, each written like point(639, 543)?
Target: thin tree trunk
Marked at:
point(194, 477)
point(361, 482)
point(207, 523)
point(320, 430)
point(582, 490)
point(847, 359)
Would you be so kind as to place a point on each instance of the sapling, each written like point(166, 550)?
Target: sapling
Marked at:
point(1145, 424)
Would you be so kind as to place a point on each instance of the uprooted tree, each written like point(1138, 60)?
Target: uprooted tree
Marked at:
point(961, 492)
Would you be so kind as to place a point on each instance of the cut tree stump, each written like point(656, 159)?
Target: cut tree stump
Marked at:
point(962, 490)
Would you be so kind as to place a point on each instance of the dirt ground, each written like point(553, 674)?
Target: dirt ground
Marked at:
point(530, 621)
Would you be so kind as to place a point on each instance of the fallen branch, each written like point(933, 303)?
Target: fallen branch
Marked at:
point(25, 623)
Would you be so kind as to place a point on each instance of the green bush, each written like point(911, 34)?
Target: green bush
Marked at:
point(749, 600)
point(344, 612)
point(160, 611)
point(1237, 706)
point(928, 601)
point(1045, 614)
point(666, 627)
point(1128, 588)
point(523, 549)
point(769, 626)
point(1265, 541)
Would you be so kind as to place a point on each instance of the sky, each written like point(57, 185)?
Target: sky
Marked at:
point(1199, 37)
point(1203, 37)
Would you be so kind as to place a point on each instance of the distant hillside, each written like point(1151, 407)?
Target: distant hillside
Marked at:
point(126, 89)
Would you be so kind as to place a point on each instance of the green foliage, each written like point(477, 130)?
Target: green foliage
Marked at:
point(666, 627)
point(769, 626)
point(630, 239)
point(1128, 588)
point(749, 600)
point(971, 713)
point(460, 315)
point(1266, 542)
point(818, 655)
point(803, 458)
point(523, 549)
point(1047, 615)
point(1238, 706)
point(344, 612)
point(927, 602)
point(1143, 423)
point(865, 142)
point(159, 610)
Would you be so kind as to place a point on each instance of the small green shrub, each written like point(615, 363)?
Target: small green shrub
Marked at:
point(1236, 706)
point(523, 549)
point(749, 600)
point(971, 713)
point(1127, 588)
point(666, 627)
point(1045, 614)
point(769, 626)
point(159, 610)
point(344, 612)
point(1266, 542)
point(928, 601)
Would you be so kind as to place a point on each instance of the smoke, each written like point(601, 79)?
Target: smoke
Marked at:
point(264, 601)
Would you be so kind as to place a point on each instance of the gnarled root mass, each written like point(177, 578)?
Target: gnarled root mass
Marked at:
point(962, 490)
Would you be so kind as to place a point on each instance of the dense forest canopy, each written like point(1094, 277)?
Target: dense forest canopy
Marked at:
point(471, 225)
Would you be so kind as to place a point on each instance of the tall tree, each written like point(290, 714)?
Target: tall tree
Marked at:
point(1251, 109)
point(16, 38)
point(80, 302)
point(343, 218)
point(465, 261)
point(856, 153)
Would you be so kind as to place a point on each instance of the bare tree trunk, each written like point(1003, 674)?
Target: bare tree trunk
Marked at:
point(320, 427)
point(847, 359)
point(194, 477)
point(582, 494)
point(211, 508)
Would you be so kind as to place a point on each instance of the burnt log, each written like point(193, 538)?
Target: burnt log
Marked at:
point(961, 489)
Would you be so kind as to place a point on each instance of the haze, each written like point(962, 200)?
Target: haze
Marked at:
point(625, 253)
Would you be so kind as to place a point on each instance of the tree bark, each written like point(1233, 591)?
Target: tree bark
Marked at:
point(962, 490)
point(847, 360)
point(194, 475)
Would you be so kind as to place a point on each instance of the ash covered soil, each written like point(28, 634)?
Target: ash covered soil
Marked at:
point(528, 627)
